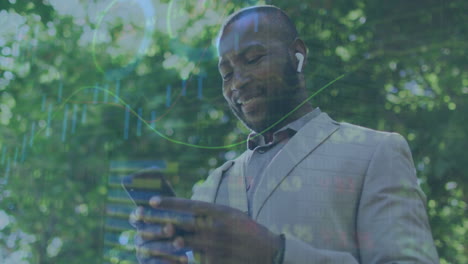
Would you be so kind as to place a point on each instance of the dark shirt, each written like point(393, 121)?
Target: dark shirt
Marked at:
point(262, 153)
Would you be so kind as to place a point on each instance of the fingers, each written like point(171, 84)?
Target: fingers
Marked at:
point(160, 216)
point(187, 215)
point(178, 251)
point(183, 222)
point(150, 231)
point(156, 231)
point(191, 206)
point(136, 217)
point(166, 216)
point(143, 216)
point(160, 252)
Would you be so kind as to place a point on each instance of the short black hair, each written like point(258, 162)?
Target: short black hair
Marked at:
point(282, 20)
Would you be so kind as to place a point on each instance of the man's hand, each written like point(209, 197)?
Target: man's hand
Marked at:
point(217, 234)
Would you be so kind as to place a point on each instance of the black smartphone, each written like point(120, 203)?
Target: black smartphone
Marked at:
point(144, 184)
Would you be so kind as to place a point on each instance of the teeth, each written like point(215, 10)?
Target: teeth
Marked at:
point(248, 101)
point(245, 102)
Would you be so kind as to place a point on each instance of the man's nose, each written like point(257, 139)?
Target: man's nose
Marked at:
point(240, 80)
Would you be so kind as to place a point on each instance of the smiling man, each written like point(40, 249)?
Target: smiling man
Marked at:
point(307, 189)
point(258, 66)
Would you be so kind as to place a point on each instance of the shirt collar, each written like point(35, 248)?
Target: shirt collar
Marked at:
point(254, 139)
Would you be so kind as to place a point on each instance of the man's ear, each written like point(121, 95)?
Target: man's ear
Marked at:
point(298, 46)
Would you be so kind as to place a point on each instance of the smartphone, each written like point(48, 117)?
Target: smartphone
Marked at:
point(144, 184)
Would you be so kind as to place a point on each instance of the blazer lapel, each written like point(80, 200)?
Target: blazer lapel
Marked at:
point(207, 191)
point(299, 146)
point(236, 184)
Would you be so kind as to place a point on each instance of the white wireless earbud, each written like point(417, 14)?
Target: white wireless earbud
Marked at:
point(300, 57)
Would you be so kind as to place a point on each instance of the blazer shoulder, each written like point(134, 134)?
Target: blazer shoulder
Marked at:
point(350, 133)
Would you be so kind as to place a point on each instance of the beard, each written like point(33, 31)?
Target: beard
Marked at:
point(281, 101)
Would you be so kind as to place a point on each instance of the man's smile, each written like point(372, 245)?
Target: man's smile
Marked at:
point(251, 104)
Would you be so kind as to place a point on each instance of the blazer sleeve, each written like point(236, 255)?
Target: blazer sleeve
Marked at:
point(392, 223)
point(299, 252)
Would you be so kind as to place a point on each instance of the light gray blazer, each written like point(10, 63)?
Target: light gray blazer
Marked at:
point(340, 193)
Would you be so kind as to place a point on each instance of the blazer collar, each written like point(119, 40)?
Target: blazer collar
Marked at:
point(298, 147)
point(255, 140)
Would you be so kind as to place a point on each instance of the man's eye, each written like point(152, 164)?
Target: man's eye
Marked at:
point(254, 59)
point(227, 76)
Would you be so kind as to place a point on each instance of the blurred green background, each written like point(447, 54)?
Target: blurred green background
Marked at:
point(62, 63)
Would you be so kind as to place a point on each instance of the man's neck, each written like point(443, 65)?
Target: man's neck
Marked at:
point(305, 109)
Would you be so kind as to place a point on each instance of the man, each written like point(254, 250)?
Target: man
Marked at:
point(307, 189)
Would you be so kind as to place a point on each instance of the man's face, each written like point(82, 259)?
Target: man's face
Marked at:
point(259, 77)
